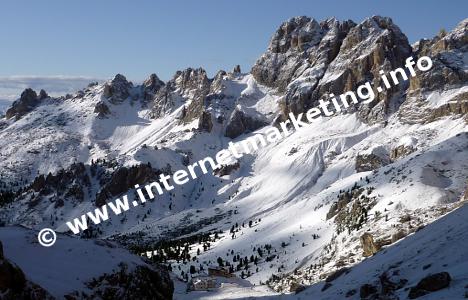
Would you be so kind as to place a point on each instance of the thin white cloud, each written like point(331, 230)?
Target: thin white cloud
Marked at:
point(12, 86)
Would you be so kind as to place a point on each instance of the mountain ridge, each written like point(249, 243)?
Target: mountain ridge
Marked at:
point(309, 198)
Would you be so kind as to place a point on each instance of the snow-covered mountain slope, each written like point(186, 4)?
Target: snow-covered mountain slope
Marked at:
point(390, 274)
point(438, 247)
point(81, 268)
point(294, 211)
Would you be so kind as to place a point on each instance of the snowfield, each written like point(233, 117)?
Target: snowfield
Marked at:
point(341, 203)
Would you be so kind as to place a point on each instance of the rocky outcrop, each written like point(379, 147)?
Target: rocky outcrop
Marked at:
point(447, 52)
point(124, 179)
point(236, 70)
point(189, 85)
point(143, 282)
point(118, 89)
point(43, 95)
point(217, 86)
point(297, 41)
point(240, 123)
point(70, 184)
point(194, 85)
point(369, 162)
point(151, 86)
point(457, 106)
point(300, 92)
point(26, 103)
point(429, 284)
point(401, 151)
point(309, 60)
point(369, 246)
point(373, 45)
point(385, 288)
point(164, 100)
point(226, 169)
point(335, 208)
point(401, 233)
point(350, 211)
point(204, 122)
point(14, 284)
point(102, 110)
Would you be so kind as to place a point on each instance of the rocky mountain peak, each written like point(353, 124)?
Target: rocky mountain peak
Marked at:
point(151, 86)
point(23, 105)
point(236, 70)
point(153, 82)
point(43, 95)
point(298, 45)
point(328, 63)
point(189, 84)
point(118, 89)
point(191, 79)
point(297, 33)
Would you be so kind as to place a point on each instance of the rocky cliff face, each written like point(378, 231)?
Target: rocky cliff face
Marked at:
point(309, 60)
point(118, 90)
point(26, 103)
point(151, 86)
point(363, 172)
point(449, 52)
point(190, 86)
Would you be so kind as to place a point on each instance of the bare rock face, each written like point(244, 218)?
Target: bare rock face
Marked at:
point(124, 179)
point(226, 169)
point(164, 100)
point(43, 95)
point(401, 151)
point(239, 123)
point(298, 45)
point(151, 86)
point(369, 162)
point(300, 92)
point(286, 51)
point(217, 85)
point(204, 122)
point(373, 45)
point(457, 106)
point(118, 89)
point(236, 70)
point(26, 103)
point(430, 284)
point(369, 246)
point(309, 60)
point(188, 85)
point(102, 110)
point(448, 52)
point(338, 206)
point(195, 85)
point(70, 184)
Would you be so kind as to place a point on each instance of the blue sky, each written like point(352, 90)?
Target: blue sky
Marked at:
point(100, 38)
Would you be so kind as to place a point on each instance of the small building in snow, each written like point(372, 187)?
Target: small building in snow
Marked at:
point(201, 283)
